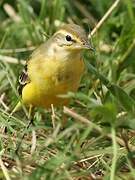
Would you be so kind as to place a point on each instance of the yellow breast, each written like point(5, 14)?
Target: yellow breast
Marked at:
point(50, 79)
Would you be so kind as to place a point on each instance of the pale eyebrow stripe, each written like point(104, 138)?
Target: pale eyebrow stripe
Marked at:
point(63, 32)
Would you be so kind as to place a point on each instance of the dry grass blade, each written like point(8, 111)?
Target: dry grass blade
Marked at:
point(4, 169)
point(34, 142)
point(104, 18)
point(11, 12)
point(3, 103)
point(9, 59)
point(17, 50)
point(84, 120)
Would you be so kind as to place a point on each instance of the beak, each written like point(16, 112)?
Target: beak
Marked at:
point(88, 46)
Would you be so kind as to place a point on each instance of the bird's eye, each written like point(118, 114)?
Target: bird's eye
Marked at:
point(68, 38)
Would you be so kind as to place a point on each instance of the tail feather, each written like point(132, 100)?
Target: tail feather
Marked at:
point(16, 108)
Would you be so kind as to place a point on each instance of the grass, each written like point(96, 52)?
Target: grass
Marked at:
point(98, 140)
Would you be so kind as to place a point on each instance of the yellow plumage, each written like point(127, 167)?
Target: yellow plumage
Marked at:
point(52, 79)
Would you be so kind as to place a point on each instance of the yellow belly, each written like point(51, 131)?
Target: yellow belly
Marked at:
point(50, 81)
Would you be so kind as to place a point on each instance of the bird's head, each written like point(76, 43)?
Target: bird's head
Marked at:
point(72, 37)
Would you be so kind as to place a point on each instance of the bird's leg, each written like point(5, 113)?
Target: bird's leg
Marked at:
point(64, 120)
point(31, 122)
point(30, 118)
point(53, 116)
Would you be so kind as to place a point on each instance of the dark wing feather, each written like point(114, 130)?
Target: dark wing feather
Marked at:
point(23, 80)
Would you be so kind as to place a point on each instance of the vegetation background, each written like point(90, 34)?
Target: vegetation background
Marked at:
point(98, 141)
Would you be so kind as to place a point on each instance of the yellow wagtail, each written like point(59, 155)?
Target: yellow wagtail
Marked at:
point(54, 69)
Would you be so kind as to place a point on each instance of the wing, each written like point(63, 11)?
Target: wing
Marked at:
point(23, 80)
point(37, 53)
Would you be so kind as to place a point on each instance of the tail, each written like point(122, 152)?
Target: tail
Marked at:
point(16, 108)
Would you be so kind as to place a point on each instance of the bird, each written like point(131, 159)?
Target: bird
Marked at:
point(54, 69)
